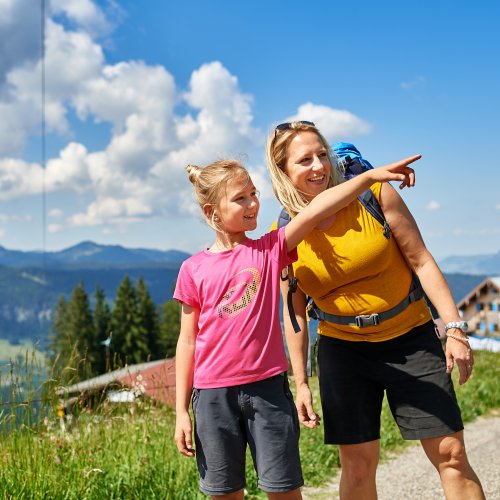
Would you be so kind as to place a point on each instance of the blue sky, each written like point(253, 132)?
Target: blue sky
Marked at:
point(137, 90)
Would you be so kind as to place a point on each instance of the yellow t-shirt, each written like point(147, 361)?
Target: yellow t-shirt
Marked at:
point(350, 268)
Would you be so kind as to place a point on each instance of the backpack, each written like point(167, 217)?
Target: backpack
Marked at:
point(352, 164)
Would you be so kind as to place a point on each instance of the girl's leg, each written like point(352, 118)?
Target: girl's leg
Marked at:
point(447, 454)
point(358, 468)
point(287, 495)
point(237, 495)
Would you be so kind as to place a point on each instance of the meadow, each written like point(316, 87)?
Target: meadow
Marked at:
point(127, 452)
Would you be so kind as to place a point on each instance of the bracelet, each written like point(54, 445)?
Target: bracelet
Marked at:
point(463, 339)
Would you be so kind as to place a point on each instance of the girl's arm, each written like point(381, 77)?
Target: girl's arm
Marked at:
point(410, 241)
point(334, 199)
point(184, 372)
point(298, 344)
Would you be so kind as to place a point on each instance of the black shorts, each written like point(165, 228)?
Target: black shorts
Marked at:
point(411, 369)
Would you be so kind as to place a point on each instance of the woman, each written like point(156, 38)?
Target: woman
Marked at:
point(351, 270)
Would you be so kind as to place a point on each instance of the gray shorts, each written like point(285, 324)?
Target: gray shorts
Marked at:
point(262, 415)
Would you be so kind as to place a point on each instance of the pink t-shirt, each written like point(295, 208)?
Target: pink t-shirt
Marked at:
point(237, 291)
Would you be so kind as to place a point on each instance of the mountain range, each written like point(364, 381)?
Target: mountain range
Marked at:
point(89, 254)
point(472, 264)
point(32, 282)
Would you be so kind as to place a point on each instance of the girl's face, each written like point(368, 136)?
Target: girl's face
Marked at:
point(307, 164)
point(239, 207)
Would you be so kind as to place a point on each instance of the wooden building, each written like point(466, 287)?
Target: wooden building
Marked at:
point(481, 308)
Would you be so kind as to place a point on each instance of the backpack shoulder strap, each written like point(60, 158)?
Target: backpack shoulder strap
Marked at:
point(371, 204)
point(283, 219)
point(354, 164)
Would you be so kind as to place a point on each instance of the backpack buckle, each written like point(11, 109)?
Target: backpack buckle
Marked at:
point(311, 311)
point(367, 320)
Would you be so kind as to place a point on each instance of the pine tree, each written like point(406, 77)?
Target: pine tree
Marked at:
point(170, 326)
point(71, 351)
point(129, 340)
point(148, 319)
point(102, 326)
point(60, 345)
point(80, 327)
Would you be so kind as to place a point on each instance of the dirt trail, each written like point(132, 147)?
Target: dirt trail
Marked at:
point(410, 475)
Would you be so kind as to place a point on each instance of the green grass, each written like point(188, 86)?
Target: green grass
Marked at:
point(128, 452)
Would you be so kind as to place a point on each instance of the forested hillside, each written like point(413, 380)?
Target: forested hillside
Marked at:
point(28, 296)
point(31, 283)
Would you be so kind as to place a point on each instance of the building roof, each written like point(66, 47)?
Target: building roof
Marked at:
point(489, 282)
point(155, 379)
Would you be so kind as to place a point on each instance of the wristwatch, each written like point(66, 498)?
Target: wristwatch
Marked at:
point(461, 325)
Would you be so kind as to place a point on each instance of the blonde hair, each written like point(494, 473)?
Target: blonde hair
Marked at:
point(285, 191)
point(210, 183)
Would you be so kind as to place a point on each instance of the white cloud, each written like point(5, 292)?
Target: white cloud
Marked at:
point(140, 172)
point(432, 206)
point(125, 90)
point(15, 218)
point(85, 14)
point(335, 124)
point(19, 178)
point(71, 60)
point(498, 206)
point(16, 120)
point(54, 228)
point(20, 26)
point(417, 82)
point(111, 209)
point(56, 213)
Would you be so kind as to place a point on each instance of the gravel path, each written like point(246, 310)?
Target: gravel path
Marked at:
point(411, 476)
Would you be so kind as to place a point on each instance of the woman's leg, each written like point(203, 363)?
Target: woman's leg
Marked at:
point(447, 454)
point(358, 468)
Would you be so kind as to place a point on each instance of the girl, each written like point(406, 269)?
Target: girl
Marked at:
point(230, 354)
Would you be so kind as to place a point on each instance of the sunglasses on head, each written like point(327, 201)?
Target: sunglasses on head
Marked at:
point(288, 125)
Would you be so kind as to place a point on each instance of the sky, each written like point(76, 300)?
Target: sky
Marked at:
point(133, 91)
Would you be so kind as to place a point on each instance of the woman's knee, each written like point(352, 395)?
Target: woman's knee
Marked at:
point(360, 461)
point(447, 451)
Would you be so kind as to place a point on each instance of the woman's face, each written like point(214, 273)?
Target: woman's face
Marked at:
point(307, 164)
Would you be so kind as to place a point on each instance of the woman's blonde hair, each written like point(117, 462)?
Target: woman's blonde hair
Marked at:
point(210, 183)
point(285, 191)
